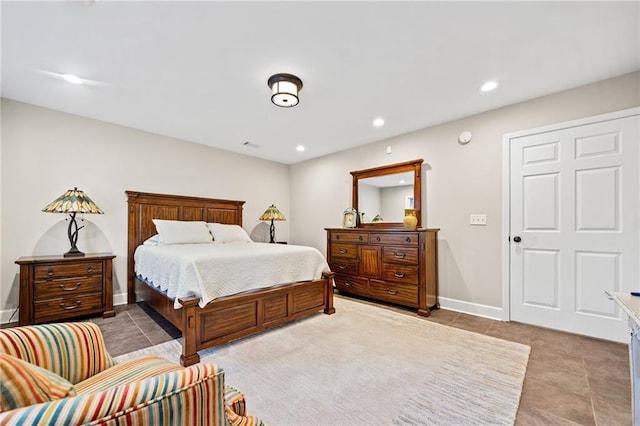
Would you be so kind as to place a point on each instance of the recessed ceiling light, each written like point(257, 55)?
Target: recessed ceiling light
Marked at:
point(378, 122)
point(70, 78)
point(299, 148)
point(489, 86)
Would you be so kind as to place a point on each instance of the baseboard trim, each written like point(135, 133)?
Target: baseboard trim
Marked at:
point(120, 299)
point(471, 308)
point(445, 303)
point(7, 314)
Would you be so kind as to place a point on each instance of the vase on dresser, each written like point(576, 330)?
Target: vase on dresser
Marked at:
point(410, 219)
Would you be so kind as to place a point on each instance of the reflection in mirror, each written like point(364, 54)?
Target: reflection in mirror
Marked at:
point(384, 198)
point(381, 194)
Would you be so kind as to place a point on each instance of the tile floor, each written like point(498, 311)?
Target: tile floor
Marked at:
point(570, 379)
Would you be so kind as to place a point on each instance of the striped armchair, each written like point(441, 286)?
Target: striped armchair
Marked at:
point(61, 374)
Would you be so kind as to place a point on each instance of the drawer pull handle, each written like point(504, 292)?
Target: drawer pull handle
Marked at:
point(89, 268)
point(377, 238)
point(343, 267)
point(360, 237)
point(399, 255)
point(398, 275)
point(394, 292)
point(68, 308)
point(70, 288)
point(348, 284)
point(49, 272)
point(337, 237)
point(343, 251)
point(408, 239)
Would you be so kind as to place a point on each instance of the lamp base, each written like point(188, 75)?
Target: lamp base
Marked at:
point(72, 233)
point(74, 252)
point(272, 233)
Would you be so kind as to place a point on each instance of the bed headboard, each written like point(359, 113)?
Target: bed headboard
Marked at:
point(145, 206)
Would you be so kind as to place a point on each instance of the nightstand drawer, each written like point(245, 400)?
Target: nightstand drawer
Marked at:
point(68, 287)
point(65, 270)
point(67, 307)
point(404, 255)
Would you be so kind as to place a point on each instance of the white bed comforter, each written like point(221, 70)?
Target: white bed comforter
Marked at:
point(209, 271)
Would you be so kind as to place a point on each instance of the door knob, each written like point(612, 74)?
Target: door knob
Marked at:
point(517, 239)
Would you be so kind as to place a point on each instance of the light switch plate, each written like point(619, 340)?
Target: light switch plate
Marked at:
point(478, 219)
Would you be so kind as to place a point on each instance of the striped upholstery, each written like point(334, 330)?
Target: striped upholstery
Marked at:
point(235, 409)
point(186, 397)
point(23, 384)
point(127, 372)
point(74, 351)
point(234, 399)
point(142, 391)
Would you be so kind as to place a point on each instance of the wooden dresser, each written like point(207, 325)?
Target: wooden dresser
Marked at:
point(56, 288)
point(391, 265)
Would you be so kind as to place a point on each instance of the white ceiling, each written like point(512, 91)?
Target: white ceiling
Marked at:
point(198, 70)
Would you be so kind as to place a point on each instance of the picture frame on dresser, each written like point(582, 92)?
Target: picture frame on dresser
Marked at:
point(349, 219)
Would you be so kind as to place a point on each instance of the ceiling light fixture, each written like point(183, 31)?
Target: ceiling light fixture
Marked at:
point(488, 86)
point(378, 122)
point(285, 89)
point(300, 148)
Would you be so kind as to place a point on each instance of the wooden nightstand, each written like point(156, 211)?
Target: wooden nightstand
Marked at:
point(55, 288)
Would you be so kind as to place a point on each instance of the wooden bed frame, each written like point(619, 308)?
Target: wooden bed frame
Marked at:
point(226, 318)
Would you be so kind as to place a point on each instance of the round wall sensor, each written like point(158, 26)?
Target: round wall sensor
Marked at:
point(465, 137)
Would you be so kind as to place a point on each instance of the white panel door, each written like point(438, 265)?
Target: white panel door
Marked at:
point(574, 225)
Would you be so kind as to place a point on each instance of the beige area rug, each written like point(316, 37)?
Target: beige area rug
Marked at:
point(365, 365)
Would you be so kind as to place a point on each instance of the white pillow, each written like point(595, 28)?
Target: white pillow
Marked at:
point(223, 233)
point(152, 241)
point(182, 232)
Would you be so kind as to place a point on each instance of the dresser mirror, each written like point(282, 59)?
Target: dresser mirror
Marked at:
point(381, 194)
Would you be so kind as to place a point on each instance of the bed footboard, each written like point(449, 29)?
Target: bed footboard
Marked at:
point(233, 317)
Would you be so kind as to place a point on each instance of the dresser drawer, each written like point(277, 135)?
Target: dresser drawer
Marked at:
point(404, 255)
point(67, 307)
point(349, 237)
point(70, 287)
point(64, 270)
point(346, 267)
point(400, 273)
point(351, 284)
point(397, 238)
point(404, 294)
point(348, 251)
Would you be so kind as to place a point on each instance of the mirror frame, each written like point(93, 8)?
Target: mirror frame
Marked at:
point(414, 166)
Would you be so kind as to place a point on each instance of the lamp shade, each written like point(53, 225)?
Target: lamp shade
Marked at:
point(272, 213)
point(285, 89)
point(73, 201)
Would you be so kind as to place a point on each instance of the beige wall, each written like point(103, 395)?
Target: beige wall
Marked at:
point(46, 152)
point(460, 180)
